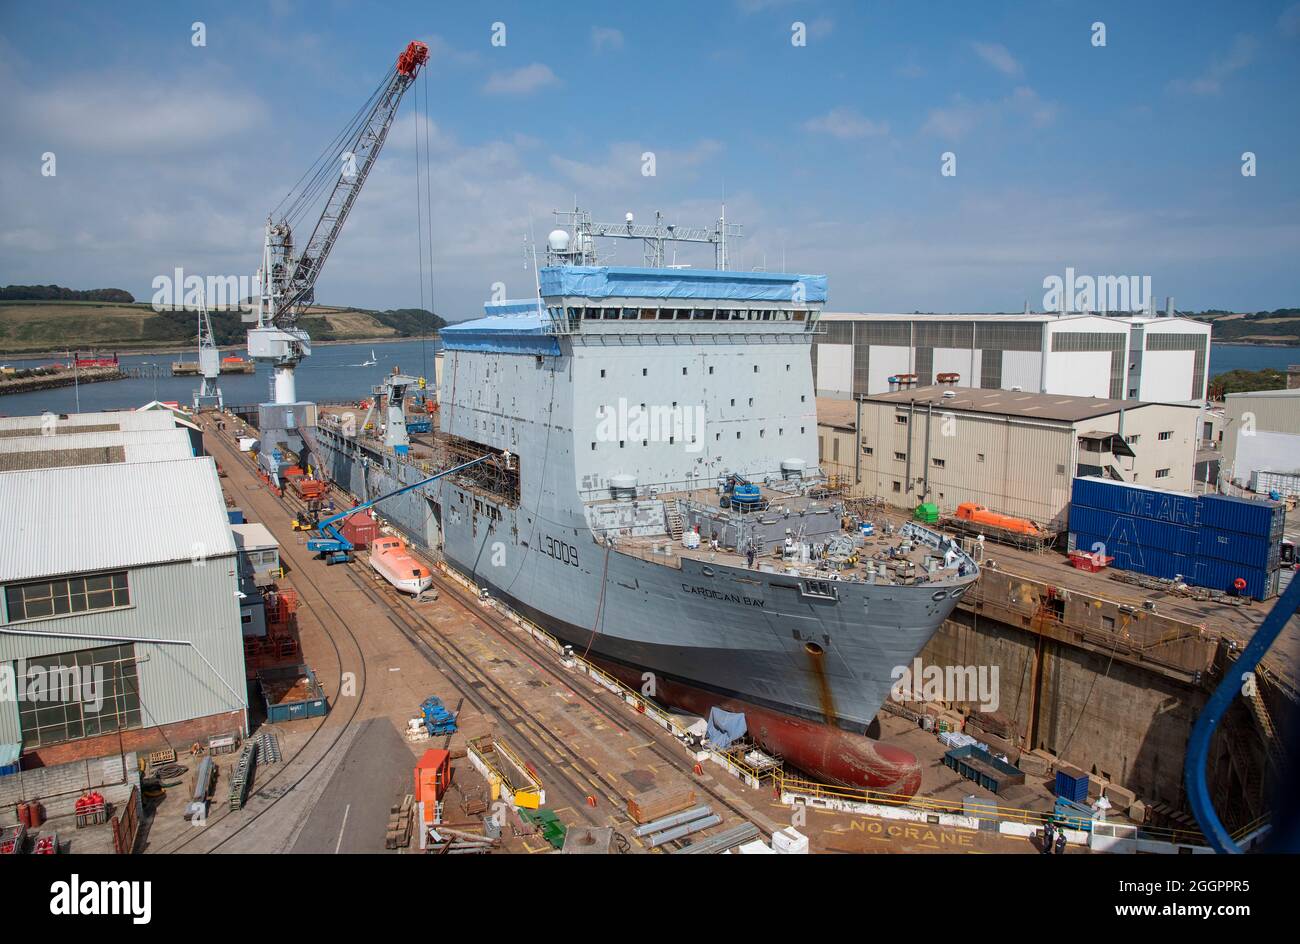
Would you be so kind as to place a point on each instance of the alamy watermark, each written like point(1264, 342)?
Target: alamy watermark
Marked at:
point(677, 424)
point(1101, 293)
point(949, 683)
point(178, 291)
point(54, 684)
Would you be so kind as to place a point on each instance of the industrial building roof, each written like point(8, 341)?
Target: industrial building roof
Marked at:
point(94, 518)
point(1047, 406)
point(1268, 393)
point(85, 422)
point(93, 448)
point(252, 536)
point(1033, 317)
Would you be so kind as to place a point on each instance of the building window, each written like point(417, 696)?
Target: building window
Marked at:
point(1162, 473)
point(593, 447)
point(898, 486)
point(710, 370)
point(900, 419)
point(1133, 440)
point(88, 693)
point(868, 451)
point(979, 457)
point(1167, 435)
point(683, 371)
point(602, 372)
point(644, 371)
point(938, 463)
point(1060, 469)
point(900, 456)
point(61, 597)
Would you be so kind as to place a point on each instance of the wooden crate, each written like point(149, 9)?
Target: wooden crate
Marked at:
point(656, 804)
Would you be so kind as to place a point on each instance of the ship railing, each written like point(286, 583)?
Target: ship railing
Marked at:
point(984, 808)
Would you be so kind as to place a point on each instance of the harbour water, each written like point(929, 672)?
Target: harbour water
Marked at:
point(330, 374)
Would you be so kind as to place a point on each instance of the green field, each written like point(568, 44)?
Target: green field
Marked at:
point(39, 326)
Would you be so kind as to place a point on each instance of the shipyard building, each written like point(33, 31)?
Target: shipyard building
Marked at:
point(1261, 440)
point(1015, 452)
point(120, 617)
point(1156, 359)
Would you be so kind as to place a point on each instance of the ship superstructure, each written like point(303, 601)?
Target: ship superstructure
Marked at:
point(662, 509)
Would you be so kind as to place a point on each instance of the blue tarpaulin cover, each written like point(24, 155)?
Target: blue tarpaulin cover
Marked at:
point(523, 328)
point(724, 727)
point(623, 282)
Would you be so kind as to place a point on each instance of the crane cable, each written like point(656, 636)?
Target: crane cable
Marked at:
point(1198, 745)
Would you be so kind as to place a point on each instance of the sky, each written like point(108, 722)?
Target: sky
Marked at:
point(1117, 159)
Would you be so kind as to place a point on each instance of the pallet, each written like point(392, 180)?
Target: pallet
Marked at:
point(398, 835)
point(160, 758)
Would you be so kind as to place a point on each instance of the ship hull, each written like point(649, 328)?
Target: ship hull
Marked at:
point(810, 675)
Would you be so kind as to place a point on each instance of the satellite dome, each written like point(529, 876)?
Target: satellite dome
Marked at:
point(558, 240)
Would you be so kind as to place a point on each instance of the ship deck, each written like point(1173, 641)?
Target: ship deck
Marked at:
point(893, 559)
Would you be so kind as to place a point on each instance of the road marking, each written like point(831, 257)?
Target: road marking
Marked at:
point(342, 827)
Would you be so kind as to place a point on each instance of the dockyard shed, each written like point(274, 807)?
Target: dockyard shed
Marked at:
point(93, 448)
point(128, 573)
point(1261, 433)
point(1015, 452)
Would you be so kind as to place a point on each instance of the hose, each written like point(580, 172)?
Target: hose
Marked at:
point(1198, 745)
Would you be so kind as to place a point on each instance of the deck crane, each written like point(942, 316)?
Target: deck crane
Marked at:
point(287, 277)
point(336, 549)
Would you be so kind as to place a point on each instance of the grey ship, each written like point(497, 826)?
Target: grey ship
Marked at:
point(663, 511)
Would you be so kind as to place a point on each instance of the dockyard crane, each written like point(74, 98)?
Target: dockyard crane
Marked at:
point(287, 276)
point(208, 394)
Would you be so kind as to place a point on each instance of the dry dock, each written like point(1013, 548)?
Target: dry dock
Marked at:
point(378, 654)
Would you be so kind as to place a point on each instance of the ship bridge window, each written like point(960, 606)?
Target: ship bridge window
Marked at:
point(682, 314)
point(648, 314)
point(590, 314)
point(703, 314)
point(665, 314)
point(610, 314)
point(800, 315)
point(629, 314)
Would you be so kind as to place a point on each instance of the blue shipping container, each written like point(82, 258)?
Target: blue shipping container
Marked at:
point(1138, 501)
point(1244, 549)
point(1121, 529)
point(1072, 788)
point(1221, 575)
point(1145, 560)
point(1243, 515)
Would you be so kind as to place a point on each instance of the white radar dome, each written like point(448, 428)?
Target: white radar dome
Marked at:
point(558, 240)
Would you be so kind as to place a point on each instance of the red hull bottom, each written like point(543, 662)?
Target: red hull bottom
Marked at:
point(825, 752)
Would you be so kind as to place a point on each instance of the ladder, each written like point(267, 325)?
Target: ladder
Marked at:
point(674, 519)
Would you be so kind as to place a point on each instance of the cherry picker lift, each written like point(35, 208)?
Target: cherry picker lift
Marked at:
point(334, 548)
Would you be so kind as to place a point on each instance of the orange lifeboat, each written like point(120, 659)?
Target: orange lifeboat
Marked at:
point(392, 561)
point(980, 514)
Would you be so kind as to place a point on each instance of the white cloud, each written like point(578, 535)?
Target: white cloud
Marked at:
point(606, 37)
point(1210, 82)
point(845, 124)
point(522, 81)
point(1289, 22)
point(821, 27)
point(958, 119)
point(999, 57)
point(129, 115)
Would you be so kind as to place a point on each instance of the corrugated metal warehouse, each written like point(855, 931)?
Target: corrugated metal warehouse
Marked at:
point(1127, 357)
point(97, 448)
point(129, 569)
point(1014, 452)
point(1261, 433)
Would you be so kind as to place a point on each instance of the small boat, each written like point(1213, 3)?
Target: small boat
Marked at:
point(392, 561)
point(370, 363)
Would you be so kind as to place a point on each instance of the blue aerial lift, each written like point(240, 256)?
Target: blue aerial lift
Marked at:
point(336, 549)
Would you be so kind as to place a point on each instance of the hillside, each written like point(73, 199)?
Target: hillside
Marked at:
point(55, 325)
point(1261, 327)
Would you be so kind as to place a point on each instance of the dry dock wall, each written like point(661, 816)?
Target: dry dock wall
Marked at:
point(1108, 688)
